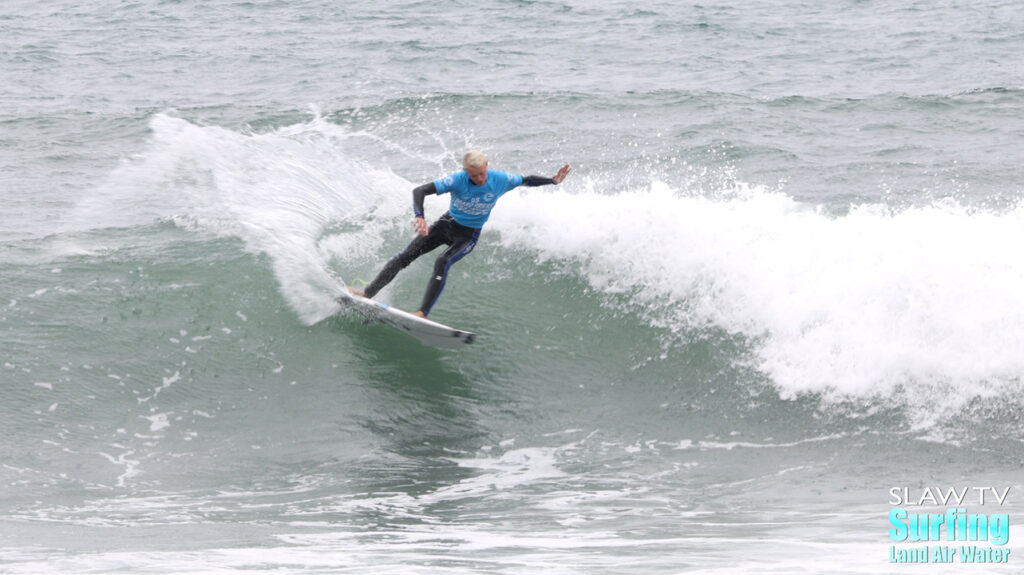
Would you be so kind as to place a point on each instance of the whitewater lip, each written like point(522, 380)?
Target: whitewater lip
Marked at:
point(873, 302)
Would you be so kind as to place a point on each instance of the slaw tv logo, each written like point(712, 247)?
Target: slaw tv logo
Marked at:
point(954, 535)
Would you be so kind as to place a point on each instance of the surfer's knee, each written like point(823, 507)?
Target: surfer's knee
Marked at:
point(440, 265)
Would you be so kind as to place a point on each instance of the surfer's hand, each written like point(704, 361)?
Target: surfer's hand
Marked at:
point(562, 173)
point(421, 226)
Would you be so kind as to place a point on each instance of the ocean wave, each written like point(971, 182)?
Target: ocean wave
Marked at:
point(915, 303)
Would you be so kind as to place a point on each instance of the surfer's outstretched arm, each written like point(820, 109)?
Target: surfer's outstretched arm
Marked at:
point(533, 181)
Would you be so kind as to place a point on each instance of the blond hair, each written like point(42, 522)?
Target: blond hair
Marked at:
point(474, 159)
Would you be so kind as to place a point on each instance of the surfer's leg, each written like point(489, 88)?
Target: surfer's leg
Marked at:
point(459, 249)
point(416, 248)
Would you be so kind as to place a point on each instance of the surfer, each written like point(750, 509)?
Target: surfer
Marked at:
point(474, 191)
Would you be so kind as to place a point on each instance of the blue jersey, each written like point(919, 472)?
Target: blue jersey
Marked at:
point(471, 204)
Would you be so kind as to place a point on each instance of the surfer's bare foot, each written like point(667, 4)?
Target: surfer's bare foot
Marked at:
point(356, 291)
point(419, 313)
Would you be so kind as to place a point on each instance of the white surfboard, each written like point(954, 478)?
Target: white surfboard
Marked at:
point(427, 331)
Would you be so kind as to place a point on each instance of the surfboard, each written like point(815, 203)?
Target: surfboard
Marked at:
point(428, 332)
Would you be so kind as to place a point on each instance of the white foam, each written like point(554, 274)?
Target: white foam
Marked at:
point(278, 192)
point(158, 421)
point(871, 302)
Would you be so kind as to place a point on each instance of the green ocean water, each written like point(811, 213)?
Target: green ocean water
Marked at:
point(782, 279)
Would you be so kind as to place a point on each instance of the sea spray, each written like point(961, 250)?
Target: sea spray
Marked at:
point(281, 193)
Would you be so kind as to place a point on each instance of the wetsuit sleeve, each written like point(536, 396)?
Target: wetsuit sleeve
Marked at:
point(417, 197)
point(533, 181)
